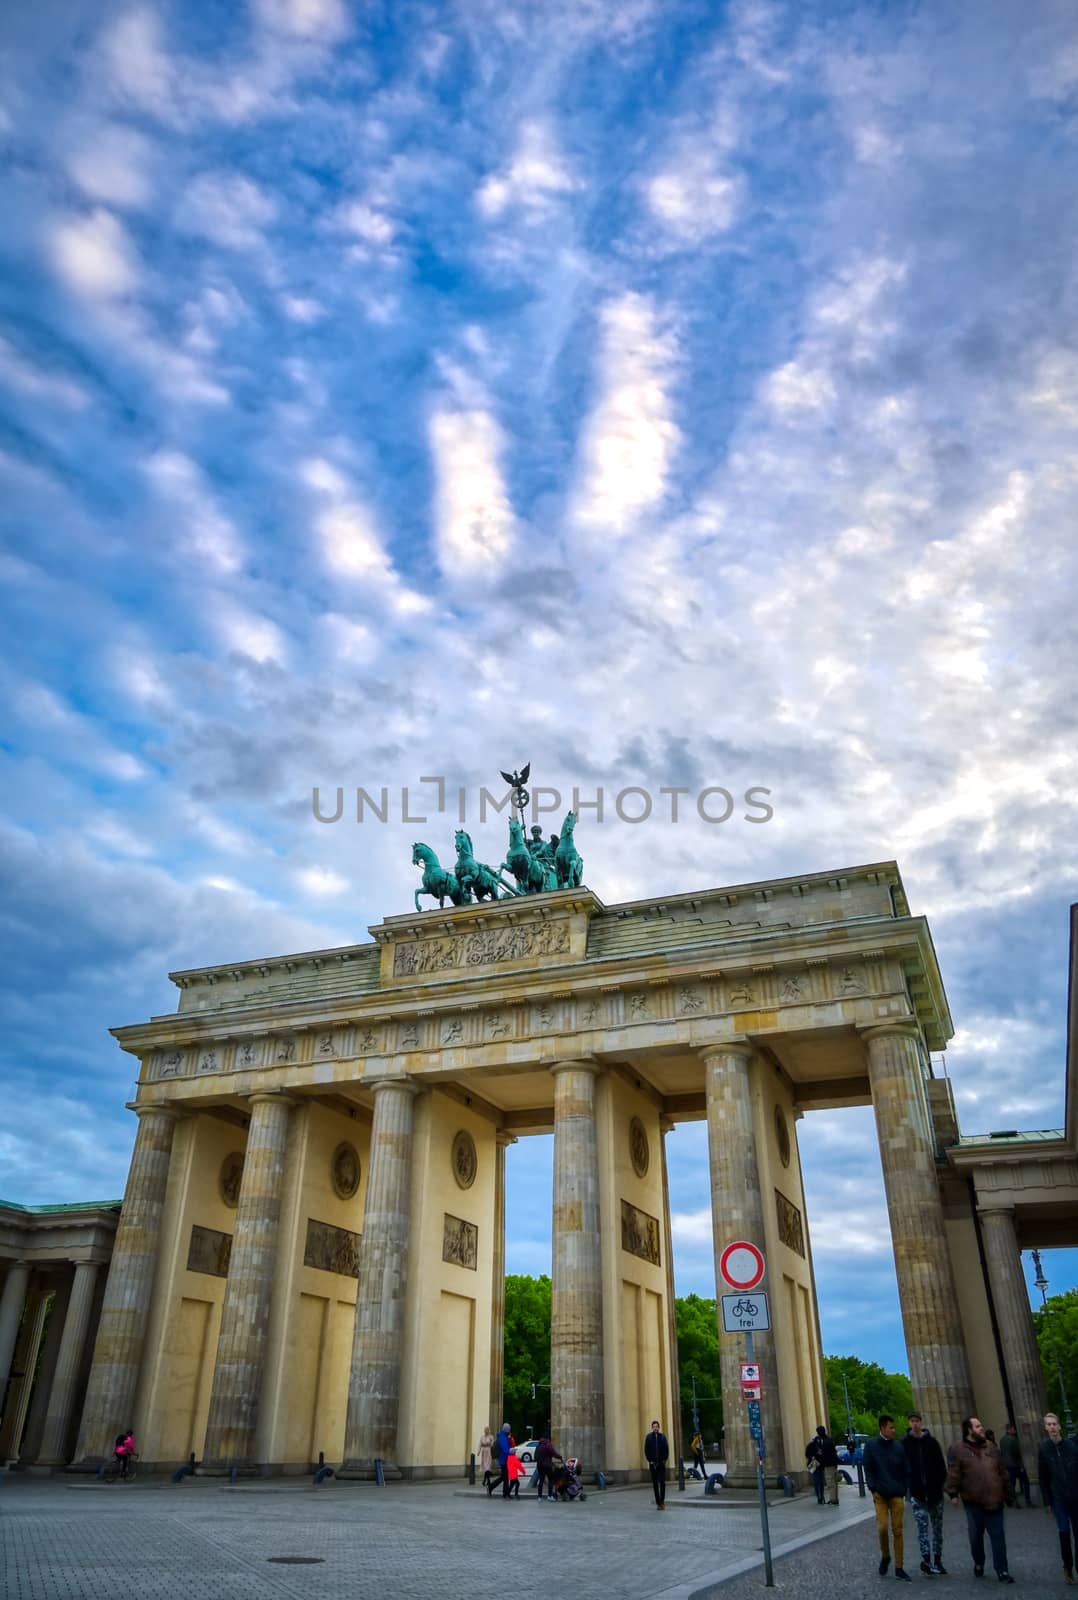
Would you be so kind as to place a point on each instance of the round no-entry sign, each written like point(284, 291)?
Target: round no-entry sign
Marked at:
point(742, 1265)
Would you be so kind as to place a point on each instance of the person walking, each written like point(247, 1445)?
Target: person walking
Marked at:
point(545, 1457)
point(1010, 1448)
point(829, 1461)
point(976, 1476)
point(486, 1452)
point(887, 1476)
point(1057, 1463)
point(815, 1465)
point(928, 1474)
point(503, 1449)
point(514, 1472)
point(657, 1453)
point(699, 1461)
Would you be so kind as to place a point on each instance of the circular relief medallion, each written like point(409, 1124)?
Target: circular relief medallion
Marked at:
point(639, 1149)
point(344, 1171)
point(782, 1136)
point(465, 1160)
point(231, 1176)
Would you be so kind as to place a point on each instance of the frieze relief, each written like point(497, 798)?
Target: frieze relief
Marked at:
point(791, 1231)
point(487, 948)
point(640, 1233)
point(209, 1251)
point(331, 1249)
point(460, 1242)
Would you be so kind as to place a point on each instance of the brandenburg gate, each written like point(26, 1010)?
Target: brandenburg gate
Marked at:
point(310, 1256)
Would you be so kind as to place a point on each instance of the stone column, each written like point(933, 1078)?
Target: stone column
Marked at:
point(939, 1370)
point(46, 1368)
point(11, 1306)
point(58, 1418)
point(381, 1296)
point(1010, 1298)
point(241, 1344)
point(23, 1368)
point(673, 1427)
point(497, 1297)
point(578, 1401)
point(737, 1212)
point(117, 1360)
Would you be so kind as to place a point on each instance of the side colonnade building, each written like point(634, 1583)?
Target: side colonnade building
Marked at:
point(310, 1256)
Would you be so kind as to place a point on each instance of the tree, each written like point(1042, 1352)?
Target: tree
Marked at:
point(698, 1357)
point(872, 1392)
point(527, 1354)
point(1056, 1327)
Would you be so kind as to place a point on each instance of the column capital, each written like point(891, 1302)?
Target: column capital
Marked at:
point(161, 1108)
point(991, 1208)
point(577, 1064)
point(741, 1048)
point(504, 1139)
point(666, 1124)
point(900, 1028)
point(273, 1097)
point(408, 1085)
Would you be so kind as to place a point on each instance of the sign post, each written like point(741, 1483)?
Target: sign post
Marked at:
point(742, 1266)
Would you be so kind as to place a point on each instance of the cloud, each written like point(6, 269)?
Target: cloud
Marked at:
point(112, 163)
point(322, 20)
point(534, 180)
point(473, 516)
point(206, 535)
point(630, 439)
point(228, 209)
point(95, 256)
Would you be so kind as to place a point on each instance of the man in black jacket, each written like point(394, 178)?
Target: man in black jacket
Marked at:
point(928, 1474)
point(887, 1475)
point(1058, 1463)
point(657, 1452)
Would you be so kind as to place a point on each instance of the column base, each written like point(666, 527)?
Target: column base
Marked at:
point(363, 1471)
point(243, 1469)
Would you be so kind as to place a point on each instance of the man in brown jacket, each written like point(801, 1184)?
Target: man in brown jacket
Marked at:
point(976, 1476)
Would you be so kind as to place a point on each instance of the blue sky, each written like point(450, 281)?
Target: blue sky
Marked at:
point(670, 394)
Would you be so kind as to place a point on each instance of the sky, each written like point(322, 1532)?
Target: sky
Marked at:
point(673, 395)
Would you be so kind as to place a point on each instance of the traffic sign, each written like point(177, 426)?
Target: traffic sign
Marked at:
point(742, 1265)
point(750, 1372)
point(745, 1313)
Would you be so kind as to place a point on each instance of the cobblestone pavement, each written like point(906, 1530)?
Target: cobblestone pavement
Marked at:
point(71, 1539)
point(79, 1540)
point(846, 1567)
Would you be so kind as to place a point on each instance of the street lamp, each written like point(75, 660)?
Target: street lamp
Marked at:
point(1042, 1284)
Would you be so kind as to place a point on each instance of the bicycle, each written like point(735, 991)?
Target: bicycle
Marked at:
point(114, 1473)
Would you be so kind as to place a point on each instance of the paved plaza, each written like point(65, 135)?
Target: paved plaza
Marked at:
point(79, 1540)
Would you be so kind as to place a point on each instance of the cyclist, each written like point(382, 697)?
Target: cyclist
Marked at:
point(123, 1450)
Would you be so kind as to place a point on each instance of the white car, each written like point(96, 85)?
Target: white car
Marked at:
point(526, 1451)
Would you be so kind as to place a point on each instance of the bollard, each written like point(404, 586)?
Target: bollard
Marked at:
point(323, 1472)
point(101, 1472)
point(860, 1480)
point(471, 1469)
point(233, 1474)
point(681, 1477)
point(379, 1475)
point(321, 1458)
point(600, 1480)
point(786, 1484)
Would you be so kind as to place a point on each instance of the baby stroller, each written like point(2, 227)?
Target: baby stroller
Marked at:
point(567, 1480)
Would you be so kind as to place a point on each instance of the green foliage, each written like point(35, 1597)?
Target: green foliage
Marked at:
point(1057, 1336)
point(698, 1356)
point(527, 1355)
point(872, 1392)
